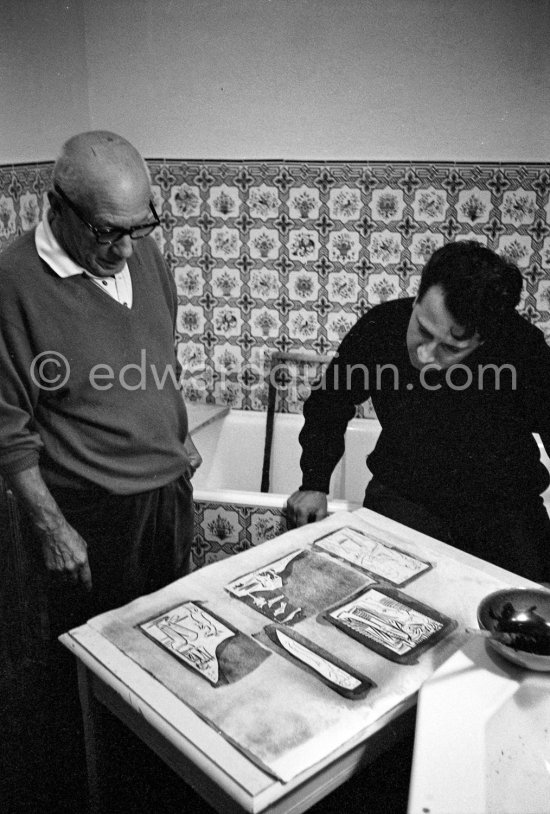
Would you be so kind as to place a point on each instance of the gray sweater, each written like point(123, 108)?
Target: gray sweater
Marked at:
point(89, 388)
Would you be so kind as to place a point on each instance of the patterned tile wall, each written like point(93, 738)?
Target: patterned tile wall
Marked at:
point(285, 256)
point(223, 529)
point(278, 256)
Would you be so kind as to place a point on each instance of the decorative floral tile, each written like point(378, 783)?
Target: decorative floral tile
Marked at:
point(265, 525)
point(225, 243)
point(385, 248)
point(344, 203)
point(221, 525)
point(387, 204)
point(343, 246)
point(263, 202)
point(264, 244)
point(264, 283)
point(303, 324)
point(227, 320)
point(265, 322)
point(303, 245)
point(226, 528)
point(29, 210)
point(226, 282)
point(516, 248)
point(338, 326)
point(342, 287)
point(542, 296)
point(189, 281)
point(191, 320)
point(187, 241)
point(474, 206)
point(192, 356)
point(518, 207)
point(227, 358)
point(382, 287)
point(185, 200)
point(224, 201)
point(303, 285)
point(7, 217)
point(229, 393)
point(304, 203)
point(423, 245)
point(430, 205)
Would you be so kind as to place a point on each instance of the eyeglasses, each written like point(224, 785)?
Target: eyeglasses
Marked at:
point(105, 237)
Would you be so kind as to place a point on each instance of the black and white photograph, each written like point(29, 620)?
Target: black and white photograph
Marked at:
point(274, 406)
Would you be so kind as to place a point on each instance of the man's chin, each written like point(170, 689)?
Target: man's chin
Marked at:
point(431, 366)
point(108, 269)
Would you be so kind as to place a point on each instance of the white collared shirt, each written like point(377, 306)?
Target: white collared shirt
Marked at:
point(118, 286)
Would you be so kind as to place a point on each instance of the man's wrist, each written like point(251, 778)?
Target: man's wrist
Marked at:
point(37, 500)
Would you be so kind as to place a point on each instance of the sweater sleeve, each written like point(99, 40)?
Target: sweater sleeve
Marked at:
point(332, 404)
point(537, 387)
point(20, 442)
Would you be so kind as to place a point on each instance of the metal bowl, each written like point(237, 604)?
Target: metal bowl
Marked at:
point(518, 605)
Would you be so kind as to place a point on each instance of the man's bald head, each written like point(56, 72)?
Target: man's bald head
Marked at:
point(101, 187)
point(100, 162)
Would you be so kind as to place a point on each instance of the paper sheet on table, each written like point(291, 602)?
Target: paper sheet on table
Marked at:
point(283, 719)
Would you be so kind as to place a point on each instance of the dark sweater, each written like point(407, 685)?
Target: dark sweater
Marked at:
point(123, 430)
point(446, 446)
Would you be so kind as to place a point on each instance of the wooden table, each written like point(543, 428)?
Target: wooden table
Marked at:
point(139, 686)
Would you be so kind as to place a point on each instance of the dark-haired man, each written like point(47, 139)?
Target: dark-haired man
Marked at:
point(459, 382)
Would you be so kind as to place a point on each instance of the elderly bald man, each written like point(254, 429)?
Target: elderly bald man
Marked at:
point(93, 428)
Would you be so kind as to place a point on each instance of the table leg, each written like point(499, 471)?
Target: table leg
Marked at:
point(90, 717)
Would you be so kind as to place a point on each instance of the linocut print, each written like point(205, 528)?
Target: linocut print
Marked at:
point(391, 623)
point(205, 643)
point(369, 553)
point(332, 671)
point(296, 586)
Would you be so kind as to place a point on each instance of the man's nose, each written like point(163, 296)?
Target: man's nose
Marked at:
point(124, 247)
point(426, 352)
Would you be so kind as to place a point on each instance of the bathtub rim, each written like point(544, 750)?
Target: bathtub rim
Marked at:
point(261, 500)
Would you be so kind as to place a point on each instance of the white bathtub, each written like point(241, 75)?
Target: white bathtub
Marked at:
point(233, 447)
point(231, 512)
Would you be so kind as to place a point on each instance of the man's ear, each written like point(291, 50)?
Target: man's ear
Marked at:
point(53, 200)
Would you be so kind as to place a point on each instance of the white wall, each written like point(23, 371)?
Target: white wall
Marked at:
point(43, 77)
point(317, 79)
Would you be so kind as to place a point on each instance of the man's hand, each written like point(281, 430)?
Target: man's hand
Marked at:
point(66, 555)
point(65, 552)
point(306, 507)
